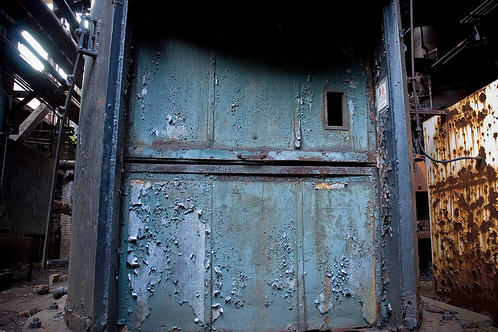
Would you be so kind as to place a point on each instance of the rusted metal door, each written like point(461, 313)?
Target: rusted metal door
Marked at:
point(463, 201)
point(250, 189)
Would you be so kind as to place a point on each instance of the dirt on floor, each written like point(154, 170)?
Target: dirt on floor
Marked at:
point(442, 317)
point(19, 303)
point(426, 288)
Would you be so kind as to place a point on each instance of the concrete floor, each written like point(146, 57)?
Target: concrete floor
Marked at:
point(21, 298)
point(437, 316)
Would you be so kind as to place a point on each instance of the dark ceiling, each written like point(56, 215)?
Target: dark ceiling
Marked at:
point(476, 65)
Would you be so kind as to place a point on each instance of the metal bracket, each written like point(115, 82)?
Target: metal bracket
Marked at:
point(89, 33)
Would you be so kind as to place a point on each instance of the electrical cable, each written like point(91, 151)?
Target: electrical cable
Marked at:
point(443, 161)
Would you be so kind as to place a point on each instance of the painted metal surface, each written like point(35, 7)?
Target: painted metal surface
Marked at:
point(463, 202)
point(180, 178)
point(397, 285)
point(91, 302)
point(260, 251)
point(241, 105)
point(211, 241)
point(250, 252)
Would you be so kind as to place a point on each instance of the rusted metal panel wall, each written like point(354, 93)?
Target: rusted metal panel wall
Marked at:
point(463, 201)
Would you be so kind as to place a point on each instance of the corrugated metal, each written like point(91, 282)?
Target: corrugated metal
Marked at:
point(463, 201)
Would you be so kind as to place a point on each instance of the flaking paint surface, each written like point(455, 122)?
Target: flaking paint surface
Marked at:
point(186, 95)
point(280, 252)
point(237, 254)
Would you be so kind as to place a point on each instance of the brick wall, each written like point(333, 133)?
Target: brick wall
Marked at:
point(65, 220)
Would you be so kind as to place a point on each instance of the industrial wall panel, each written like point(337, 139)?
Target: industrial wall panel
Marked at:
point(170, 95)
point(255, 104)
point(255, 255)
point(463, 201)
point(165, 275)
point(236, 252)
point(346, 78)
point(192, 101)
point(339, 253)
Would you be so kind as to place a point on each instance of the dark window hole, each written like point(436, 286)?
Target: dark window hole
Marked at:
point(334, 109)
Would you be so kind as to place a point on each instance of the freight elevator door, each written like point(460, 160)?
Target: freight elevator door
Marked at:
point(250, 198)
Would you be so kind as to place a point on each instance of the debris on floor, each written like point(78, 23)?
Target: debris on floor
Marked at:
point(439, 316)
point(26, 300)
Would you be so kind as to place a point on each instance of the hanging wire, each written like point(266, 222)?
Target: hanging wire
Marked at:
point(443, 161)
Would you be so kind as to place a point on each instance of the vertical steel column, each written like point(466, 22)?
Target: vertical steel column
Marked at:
point(4, 109)
point(402, 265)
point(418, 126)
point(106, 262)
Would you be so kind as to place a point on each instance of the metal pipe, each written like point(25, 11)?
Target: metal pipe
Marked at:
point(60, 292)
point(451, 54)
point(429, 83)
point(66, 164)
point(418, 126)
point(4, 107)
point(60, 124)
point(482, 10)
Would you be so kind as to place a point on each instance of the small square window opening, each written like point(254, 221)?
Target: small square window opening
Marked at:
point(334, 111)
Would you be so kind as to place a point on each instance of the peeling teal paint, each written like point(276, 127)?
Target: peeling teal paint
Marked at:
point(201, 99)
point(218, 252)
point(246, 248)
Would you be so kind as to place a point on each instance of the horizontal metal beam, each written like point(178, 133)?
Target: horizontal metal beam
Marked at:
point(282, 171)
point(25, 101)
point(428, 111)
point(24, 20)
point(67, 13)
point(31, 122)
point(66, 164)
point(50, 23)
point(39, 81)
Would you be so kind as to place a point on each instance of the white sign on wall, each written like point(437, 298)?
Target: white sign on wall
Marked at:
point(381, 96)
